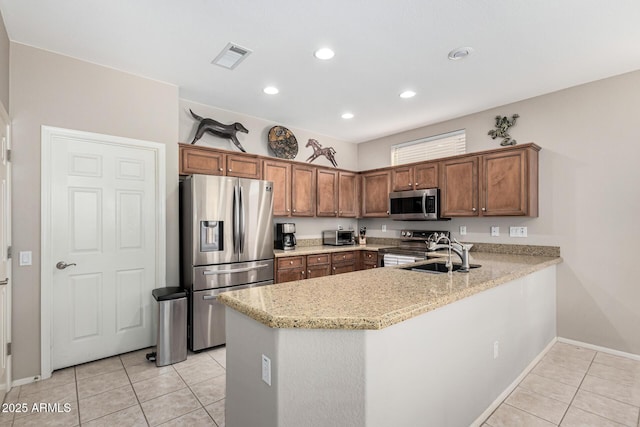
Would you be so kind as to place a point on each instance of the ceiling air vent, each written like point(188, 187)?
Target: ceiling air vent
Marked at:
point(231, 56)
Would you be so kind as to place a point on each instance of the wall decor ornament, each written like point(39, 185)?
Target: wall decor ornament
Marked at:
point(318, 151)
point(501, 131)
point(218, 129)
point(283, 142)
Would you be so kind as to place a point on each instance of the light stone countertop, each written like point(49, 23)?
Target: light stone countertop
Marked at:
point(321, 249)
point(375, 298)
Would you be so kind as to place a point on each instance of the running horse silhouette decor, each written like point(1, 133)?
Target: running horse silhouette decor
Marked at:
point(318, 151)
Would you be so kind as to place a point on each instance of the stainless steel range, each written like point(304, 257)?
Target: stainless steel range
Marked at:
point(413, 247)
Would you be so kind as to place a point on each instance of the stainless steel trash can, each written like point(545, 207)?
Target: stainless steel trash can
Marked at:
point(172, 325)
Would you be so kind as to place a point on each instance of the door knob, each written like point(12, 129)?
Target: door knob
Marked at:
point(61, 265)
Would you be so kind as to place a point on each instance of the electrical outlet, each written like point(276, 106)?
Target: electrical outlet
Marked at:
point(517, 231)
point(266, 370)
point(496, 349)
point(463, 230)
point(495, 231)
point(384, 228)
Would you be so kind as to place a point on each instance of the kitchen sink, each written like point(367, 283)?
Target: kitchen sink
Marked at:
point(437, 267)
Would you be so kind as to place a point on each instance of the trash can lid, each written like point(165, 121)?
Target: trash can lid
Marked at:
point(169, 293)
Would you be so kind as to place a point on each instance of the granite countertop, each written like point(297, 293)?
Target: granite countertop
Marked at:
point(319, 249)
point(376, 298)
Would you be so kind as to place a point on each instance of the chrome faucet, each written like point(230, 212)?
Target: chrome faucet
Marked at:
point(433, 244)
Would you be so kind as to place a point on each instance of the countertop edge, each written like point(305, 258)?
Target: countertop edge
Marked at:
point(382, 321)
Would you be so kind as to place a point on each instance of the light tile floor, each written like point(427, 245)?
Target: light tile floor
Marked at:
point(571, 386)
point(126, 390)
point(574, 387)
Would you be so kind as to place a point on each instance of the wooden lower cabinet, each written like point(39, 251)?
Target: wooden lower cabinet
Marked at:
point(290, 268)
point(318, 265)
point(367, 260)
point(343, 262)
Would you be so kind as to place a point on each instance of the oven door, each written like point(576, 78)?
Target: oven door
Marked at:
point(414, 205)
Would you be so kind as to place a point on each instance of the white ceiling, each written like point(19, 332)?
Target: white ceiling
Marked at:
point(522, 48)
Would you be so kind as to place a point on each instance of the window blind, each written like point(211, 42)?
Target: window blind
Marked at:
point(433, 147)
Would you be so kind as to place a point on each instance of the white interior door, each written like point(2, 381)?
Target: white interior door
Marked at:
point(5, 265)
point(104, 246)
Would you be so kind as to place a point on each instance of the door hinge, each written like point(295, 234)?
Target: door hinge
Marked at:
point(8, 155)
point(9, 250)
point(8, 349)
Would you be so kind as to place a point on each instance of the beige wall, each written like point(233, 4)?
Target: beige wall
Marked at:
point(54, 90)
point(4, 65)
point(589, 200)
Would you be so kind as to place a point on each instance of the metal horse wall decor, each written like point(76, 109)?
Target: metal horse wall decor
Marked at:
point(318, 151)
point(218, 129)
point(502, 126)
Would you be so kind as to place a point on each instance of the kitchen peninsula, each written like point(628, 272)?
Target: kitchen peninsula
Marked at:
point(387, 346)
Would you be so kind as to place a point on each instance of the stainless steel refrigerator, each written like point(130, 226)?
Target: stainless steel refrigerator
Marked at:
point(226, 244)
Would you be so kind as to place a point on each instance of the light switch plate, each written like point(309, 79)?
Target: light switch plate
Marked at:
point(463, 230)
point(495, 231)
point(266, 369)
point(25, 258)
point(517, 231)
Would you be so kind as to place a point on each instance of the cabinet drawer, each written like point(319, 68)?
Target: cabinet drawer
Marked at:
point(291, 262)
point(343, 268)
point(319, 259)
point(343, 256)
point(370, 256)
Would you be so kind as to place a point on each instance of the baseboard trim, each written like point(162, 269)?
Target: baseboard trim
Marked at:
point(25, 381)
point(482, 418)
point(600, 349)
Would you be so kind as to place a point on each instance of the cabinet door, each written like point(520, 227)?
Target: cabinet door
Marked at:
point(348, 194)
point(243, 166)
point(290, 275)
point(303, 190)
point(504, 184)
point(343, 268)
point(375, 194)
point(327, 204)
point(200, 160)
point(280, 174)
point(402, 178)
point(459, 187)
point(368, 259)
point(425, 175)
point(290, 268)
point(318, 271)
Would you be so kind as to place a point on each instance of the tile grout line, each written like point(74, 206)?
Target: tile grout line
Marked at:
point(578, 389)
point(134, 391)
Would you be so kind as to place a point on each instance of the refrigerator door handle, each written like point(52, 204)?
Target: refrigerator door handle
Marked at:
point(242, 220)
point(235, 270)
point(236, 218)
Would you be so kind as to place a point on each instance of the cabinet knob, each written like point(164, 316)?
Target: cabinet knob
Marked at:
point(387, 212)
point(409, 184)
point(416, 183)
point(290, 262)
point(288, 210)
point(374, 266)
point(335, 212)
point(302, 272)
point(309, 271)
point(318, 259)
point(294, 210)
point(220, 169)
point(473, 209)
point(229, 170)
point(334, 269)
point(484, 209)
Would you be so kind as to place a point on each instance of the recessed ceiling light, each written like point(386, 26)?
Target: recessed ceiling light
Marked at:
point(347, 116)
point(407, 94)
point(270, 90)
point(460, 53)
point(324, 53)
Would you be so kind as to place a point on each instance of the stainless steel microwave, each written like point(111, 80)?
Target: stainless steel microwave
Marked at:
point(338, 237)
point(415, 205)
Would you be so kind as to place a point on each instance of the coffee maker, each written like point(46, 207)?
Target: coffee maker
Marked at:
point(285, 237)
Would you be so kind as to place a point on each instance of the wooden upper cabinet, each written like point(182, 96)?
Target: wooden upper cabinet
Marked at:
point(502, 182)
point(327, 192)
point(459, 187)
point(509, 184)
point(280, 174)
point(244, 166)
point(303, 190)
point(425, 175)
point(200, 160)
point(375, 193)
point(415, 177)
point(347, 194)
